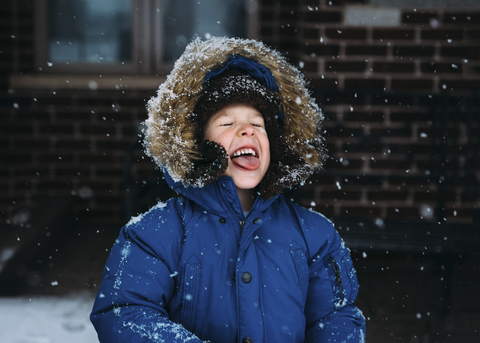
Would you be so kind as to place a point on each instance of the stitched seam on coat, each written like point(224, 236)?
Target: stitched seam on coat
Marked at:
point(190, 295)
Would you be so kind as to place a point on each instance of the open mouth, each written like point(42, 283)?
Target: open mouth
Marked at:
point(246, 158)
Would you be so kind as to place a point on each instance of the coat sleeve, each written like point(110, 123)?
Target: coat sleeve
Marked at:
point(333, 287)
point(136, 287)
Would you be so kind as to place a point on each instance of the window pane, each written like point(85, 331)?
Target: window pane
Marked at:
point(183, 19)
point(90, 31)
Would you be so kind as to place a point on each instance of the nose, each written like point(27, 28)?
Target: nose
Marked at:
point(246, 130)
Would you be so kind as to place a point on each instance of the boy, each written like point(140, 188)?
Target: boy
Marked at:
point(231, 260)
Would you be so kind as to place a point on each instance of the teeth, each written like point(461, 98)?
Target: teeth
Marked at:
point(245, 152)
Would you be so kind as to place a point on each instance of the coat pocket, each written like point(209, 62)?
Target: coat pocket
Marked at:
point(342, 276)
point(190, 292)
point(301, 266)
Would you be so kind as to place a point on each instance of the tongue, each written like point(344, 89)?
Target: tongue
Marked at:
point(247, 162)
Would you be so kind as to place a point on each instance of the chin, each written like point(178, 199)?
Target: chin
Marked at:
point(246, 183)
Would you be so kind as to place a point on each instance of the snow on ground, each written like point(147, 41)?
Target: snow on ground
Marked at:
point(47, 319)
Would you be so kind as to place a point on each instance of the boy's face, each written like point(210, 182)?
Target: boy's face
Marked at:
point(240, 129)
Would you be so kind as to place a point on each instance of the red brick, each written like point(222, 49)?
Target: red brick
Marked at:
point(73, 144)
point(92, 102)
point(441, 68)
point(28, 115)
point(289, 15)
point(390, 164)
point(266, 31)
point(310, 66)
point(345, 66)
point(455, 35)
point(370, 180)
point(426, 195)
point(54, 101)
point(388, 132)
point(355, 50)
point(323, 17)
point(340, 195)
point(102, 130)
point(288, 2)
point(475, 70)
point(473, 34)
point(472, 18)
point(399, 116)
point(387, 195)
point(467, 52)
point(97, 159)
point(110, 116)
point(129, 132)
point(311, 33)
point(54, 185)
point(313, 3)
point(364, 84)
point(100, 186)
point(135, 99)
point(403, 212)
point(360, 211)
point(73, 116)
point(393, 67)
point(287, 31)
point(344, 132)
point(4, 143)
point(109, 172)
point(31, 143)
point(407, 51)
point(365, 147)
point(7, 129)
point(360, 116)
point(112, 144)
point(72, 171)
point(326, 83)
point(418, 17)
point(288, 47)
point(15, 158)
point(266, 16)
point(55, 129)
point(456, 85)
point(322, 50)
point(23, 186)
point(397, 34)
point(55, 158)
point(401, 84)
point(346, 33)
point(350, 164)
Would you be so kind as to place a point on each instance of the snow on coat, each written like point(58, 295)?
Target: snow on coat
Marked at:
point(194, 269)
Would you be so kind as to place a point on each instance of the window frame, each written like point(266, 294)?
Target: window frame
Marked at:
point(146, 46)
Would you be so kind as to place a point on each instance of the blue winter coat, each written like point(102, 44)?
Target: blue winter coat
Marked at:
point(195, 269)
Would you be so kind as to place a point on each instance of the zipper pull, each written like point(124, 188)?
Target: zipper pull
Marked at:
point(242, 223)
point(338, 278)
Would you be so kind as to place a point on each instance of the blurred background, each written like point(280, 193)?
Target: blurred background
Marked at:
point(398, 82)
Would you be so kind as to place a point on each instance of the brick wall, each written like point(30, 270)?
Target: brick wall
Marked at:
point(375, 85)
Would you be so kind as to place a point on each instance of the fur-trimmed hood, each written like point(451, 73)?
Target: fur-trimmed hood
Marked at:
point(170, 129)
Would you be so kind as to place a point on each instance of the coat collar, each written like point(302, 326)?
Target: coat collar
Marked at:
point(219, 196)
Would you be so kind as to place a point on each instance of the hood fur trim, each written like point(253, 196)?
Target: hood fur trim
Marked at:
point(170, 130)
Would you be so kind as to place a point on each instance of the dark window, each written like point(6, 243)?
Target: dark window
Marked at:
point(138, 36)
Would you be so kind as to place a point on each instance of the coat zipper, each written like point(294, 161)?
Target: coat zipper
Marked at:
point(241, 221)
point(338, 277)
